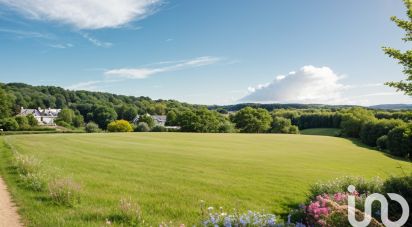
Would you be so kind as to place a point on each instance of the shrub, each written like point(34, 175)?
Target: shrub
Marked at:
point(283, 125)
point(92, 127)
point(63, 124)
point(9, 124)
point(382, 142)
point(374, 129)
point(341, 184)
point(403, 187)
point(142, 127)
point(32, 120)
point(64, 192)
point(23, 122)
point(400, 141)
point(159, 128)
point(147, 119)
point(119, 126)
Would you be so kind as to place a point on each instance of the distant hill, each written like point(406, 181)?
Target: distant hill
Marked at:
point(392, 107)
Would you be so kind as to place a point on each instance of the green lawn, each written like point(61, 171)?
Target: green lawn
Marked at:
point(169, 173)
point(320, 131)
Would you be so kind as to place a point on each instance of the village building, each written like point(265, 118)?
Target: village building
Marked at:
point(159, 120)
point(43, 116)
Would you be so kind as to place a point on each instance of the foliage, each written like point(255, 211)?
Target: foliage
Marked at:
point(142, 127)
point(120, 126)
point(66, 115)
point(65, 192)
point(372, 130)
point(146, 118)
point(341, 185)
point(103, 115)
point(78, 121)
point(159, 128)
point(9, 124)
point(352, 120)
point(32, 120)
point(23, 122)
point(251, 120)
point(92, 127)
point(126, 111)
point(5, 104)
point(400, 140)
point(402, 186)
point(403, 58)
point(201, 120)
point(382, 142)
point(283, 125)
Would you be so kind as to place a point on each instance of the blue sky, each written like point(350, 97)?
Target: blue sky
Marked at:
point(206, 52)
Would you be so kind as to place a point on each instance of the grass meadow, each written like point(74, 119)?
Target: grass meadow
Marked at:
point(168, 174)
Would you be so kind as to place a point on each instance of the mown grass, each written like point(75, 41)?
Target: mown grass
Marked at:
point(169, 173)
point(320, 131)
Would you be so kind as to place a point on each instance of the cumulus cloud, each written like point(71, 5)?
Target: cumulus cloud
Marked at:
point(310, 84)
point(85, 14)
point(144, 72)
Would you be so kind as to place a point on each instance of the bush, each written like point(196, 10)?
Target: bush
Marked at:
point(32, 120)
point(374, 129)
point(400, 141)
point(382, 142)
point(63, 124)
point(159, 128)
point(147, 119)
point(9, 124)
point(65, 192)
point(23, 122)
point(119, 126)
point(142, 127)
point(92, 127)
point(403, 187)
point(283, 125)
point(341, 185)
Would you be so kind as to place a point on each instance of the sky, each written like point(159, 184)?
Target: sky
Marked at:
point(207, 52)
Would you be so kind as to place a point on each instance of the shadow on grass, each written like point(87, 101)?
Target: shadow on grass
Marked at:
point(358, 143)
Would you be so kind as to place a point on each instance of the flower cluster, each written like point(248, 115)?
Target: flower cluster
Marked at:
point(210, 217)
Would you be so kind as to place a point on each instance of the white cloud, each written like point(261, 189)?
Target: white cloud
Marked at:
point(95, 41)
point(88, 85)
point(26, 34)
point(144, 72)
point(85, 14)
point(308, 85)
point(61, 45)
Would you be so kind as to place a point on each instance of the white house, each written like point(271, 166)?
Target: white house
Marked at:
point(159, 120)
point(43, 116)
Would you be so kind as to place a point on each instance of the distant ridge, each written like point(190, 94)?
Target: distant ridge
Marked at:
point(392, 107)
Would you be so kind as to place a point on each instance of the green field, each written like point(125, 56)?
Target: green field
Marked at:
point(169, 173)
point(320, 131)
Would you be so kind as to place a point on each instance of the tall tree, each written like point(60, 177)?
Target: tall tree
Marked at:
point(5, 104)
point(404, 58)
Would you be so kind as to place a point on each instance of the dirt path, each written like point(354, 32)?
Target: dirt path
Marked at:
point(8, 211)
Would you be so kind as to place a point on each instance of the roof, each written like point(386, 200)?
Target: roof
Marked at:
point(40, 112)
point(159, 118)
point(25, 112)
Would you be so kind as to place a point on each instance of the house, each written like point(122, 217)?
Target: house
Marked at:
point(43, 116)
point(159, 120)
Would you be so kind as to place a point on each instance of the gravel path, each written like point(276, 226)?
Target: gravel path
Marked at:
point(8, 211)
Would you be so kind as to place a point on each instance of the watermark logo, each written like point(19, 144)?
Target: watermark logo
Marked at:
point(384, 209)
